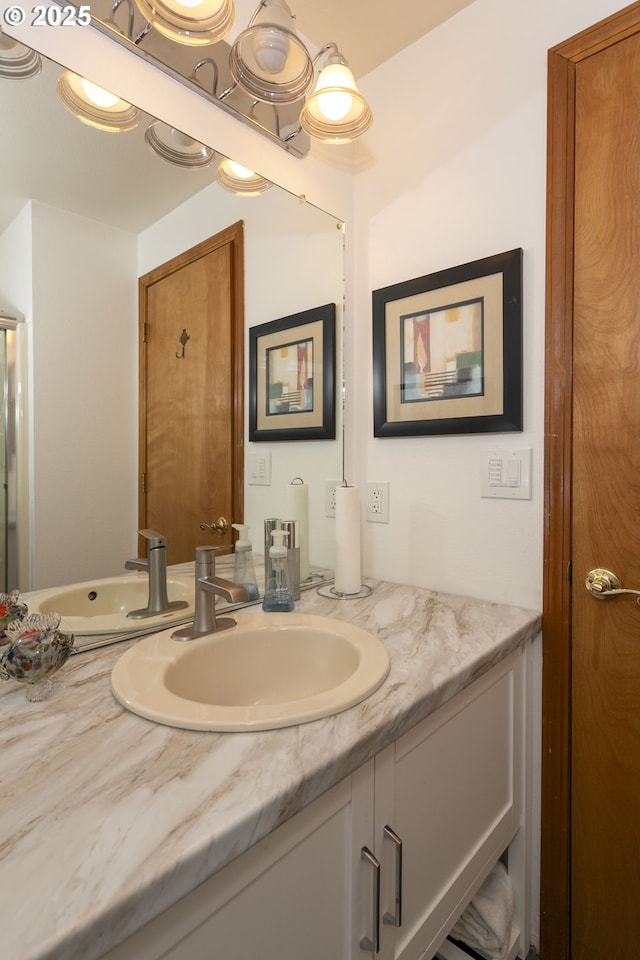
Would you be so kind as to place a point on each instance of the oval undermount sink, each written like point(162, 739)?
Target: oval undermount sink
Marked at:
point(270, 670)
point(101, 606)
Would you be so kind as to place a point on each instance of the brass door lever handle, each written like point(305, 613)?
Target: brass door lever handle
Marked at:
point(603, 584)
point(219, 526)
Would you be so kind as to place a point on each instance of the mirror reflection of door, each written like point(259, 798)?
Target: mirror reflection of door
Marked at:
point(192, 395)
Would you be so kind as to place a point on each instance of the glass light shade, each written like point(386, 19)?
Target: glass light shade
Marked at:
point(336, 111)
point(17, 62)
point(193, 22)
point(238, 179)
point(269, 60)
point(94, 105)
point(176, 147)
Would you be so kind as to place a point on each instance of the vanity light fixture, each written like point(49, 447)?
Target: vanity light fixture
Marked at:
point(176, 147)
point(240, 180)
point(17, 62)
point(268, 59)
point(264, 78)
point(94, 105)
point(193, 22)
point(9, 320)
point(336, 111)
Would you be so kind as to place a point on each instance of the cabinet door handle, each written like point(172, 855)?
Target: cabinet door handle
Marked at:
point(373, 944)
point(395, 918)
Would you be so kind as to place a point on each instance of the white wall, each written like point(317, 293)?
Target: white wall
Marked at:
point(293, 262)
point(16, 265)
point(452, 170)
point(84, 369)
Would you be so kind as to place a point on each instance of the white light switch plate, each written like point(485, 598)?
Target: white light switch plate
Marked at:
point(260, 469)
point(506, 473)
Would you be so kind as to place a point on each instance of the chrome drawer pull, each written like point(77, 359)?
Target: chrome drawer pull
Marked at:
point(395, 919)
point(373, 944)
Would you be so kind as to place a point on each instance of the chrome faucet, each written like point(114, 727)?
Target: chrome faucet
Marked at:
point(155, 564)
point(208, 586)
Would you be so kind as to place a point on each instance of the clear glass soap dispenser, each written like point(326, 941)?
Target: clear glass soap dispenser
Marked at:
point(277, 594)
point(243, 570)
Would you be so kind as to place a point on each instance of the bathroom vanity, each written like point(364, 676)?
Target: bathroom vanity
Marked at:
point(137, 840)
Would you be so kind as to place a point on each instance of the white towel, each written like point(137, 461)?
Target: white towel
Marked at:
point(486, 923)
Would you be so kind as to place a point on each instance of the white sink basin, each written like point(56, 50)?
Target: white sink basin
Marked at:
point(271, 670)
point(101, 606)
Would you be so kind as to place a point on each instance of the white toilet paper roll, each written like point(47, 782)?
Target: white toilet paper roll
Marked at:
point(348, 575)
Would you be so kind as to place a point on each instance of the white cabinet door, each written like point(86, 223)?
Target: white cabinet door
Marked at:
point(289, 897)
point(450, 792)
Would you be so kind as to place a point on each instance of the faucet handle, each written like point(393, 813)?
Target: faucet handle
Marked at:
point(206, 558)
point(206, 554)
point(153, 538)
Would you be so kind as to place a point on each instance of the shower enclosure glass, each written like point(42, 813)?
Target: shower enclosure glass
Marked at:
point(8, 479)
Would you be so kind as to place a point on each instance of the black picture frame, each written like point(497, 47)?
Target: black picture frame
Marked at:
point(447, 351)
point(292, 377)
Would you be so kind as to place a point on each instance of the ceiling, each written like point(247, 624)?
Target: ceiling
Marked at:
point(383, 36)
point(116, 179)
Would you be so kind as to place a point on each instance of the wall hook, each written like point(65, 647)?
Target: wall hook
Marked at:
point(183, 340)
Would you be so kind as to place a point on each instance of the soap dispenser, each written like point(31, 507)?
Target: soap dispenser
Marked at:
point(277, 594)
point(243, 571)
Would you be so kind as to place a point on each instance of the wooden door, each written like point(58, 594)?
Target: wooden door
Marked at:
point(191, 394)
point(605, 727)
point(591, 706)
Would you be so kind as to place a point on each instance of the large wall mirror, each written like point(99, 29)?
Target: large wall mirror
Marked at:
point(83, 214)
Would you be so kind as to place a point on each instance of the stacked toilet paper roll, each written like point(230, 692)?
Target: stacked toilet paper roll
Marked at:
point(298, 509)
point(348, 574)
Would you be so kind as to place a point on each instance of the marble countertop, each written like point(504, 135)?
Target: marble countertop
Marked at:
point(107, 819)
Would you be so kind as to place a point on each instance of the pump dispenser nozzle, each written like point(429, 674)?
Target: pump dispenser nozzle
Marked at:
point(278, 548)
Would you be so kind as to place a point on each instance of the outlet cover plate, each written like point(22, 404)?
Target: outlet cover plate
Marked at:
point(330, 487)
point(378, 502)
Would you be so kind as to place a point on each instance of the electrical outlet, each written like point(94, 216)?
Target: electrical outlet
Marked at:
point(330, 487)
point(378, 502)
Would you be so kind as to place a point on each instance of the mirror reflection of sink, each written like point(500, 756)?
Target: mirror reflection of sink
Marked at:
point(271, 670)
point(101, 606)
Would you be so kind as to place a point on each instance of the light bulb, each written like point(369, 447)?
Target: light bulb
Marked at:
point(178, 6)
point(237, 170)
point(98, 95)
point(192, 22)
point(271, 50)
point(335, 103)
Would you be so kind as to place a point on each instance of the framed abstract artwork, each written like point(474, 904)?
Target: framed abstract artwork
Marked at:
point(447, 351)
point(292, 377)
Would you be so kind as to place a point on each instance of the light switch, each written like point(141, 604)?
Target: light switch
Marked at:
point(506, 474)
point(260, 469)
